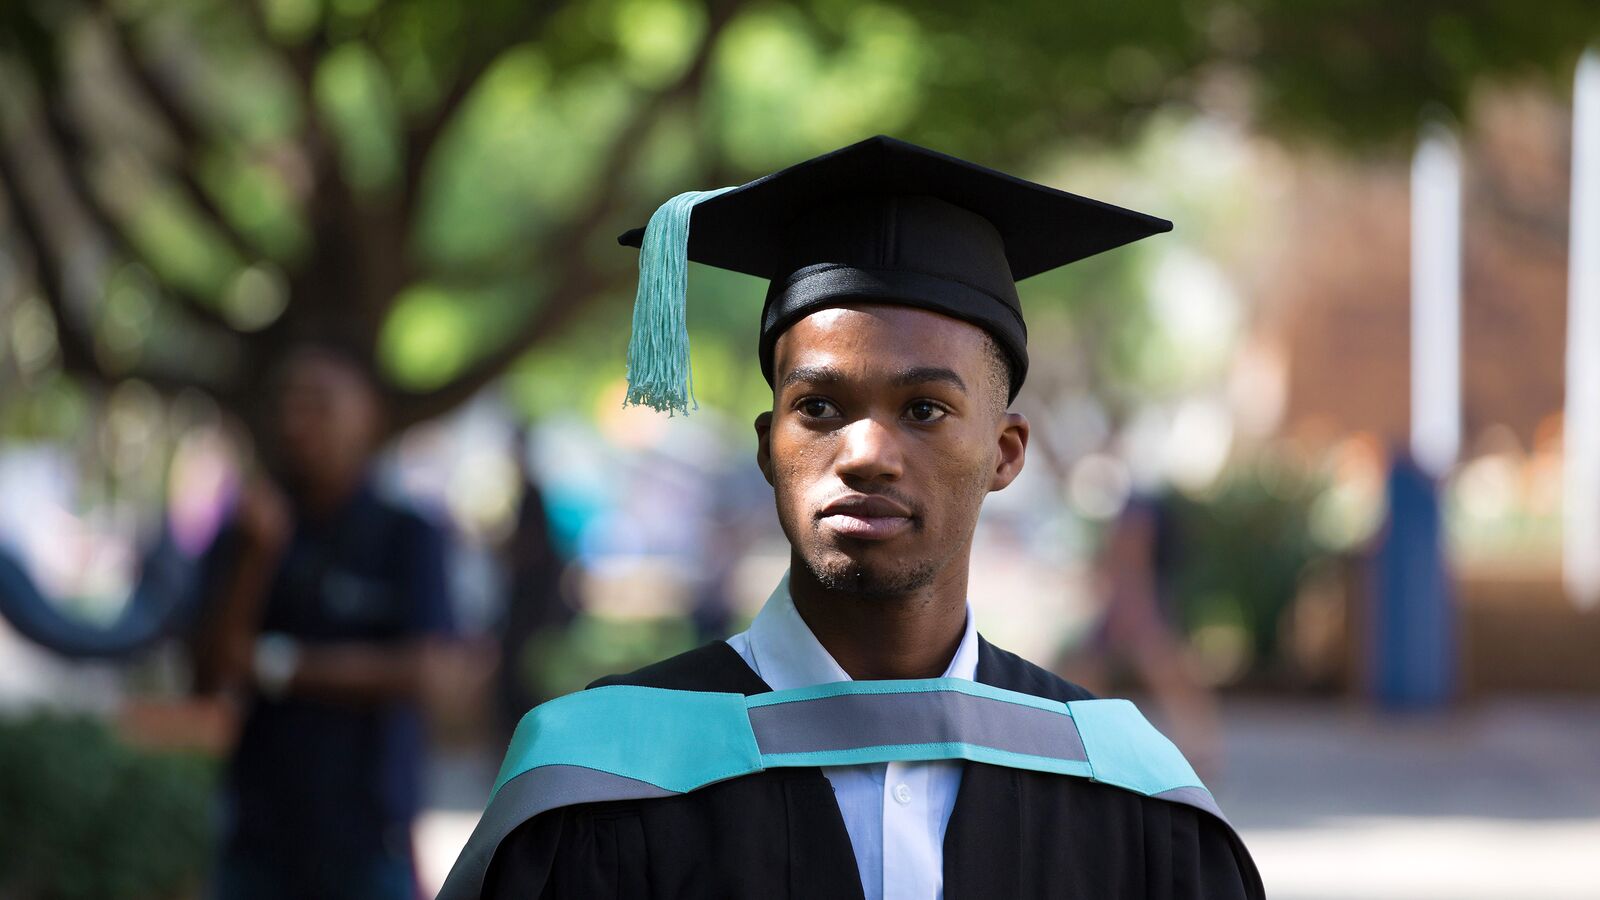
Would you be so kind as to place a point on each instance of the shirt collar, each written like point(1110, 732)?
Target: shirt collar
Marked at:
point(786, 655)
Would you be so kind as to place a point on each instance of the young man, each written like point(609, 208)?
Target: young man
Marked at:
point(329, 616)
point(860, 740)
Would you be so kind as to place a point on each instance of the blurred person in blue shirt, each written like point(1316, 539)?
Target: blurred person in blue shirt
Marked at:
point(327, 616)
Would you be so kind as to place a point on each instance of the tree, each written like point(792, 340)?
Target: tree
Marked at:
point(196, 185)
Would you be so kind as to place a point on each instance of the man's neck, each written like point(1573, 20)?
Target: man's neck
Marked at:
point(912, 635)
point(320, 499)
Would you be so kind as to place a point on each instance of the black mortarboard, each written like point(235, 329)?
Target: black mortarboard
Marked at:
point(879, 220)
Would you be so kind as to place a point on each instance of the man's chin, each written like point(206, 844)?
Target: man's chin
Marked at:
point(865, 571)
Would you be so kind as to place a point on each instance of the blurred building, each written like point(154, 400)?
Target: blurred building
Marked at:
point(1337, 299)
point(1339, 293)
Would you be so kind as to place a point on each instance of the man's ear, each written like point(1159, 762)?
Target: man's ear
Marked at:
point(1013, 447)
point(764, 445)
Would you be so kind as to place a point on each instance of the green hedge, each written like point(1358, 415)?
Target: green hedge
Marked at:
point(84, 816)
point(563, 661)
point(1243, 548)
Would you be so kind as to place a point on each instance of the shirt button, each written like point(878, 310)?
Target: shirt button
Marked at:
point(902, 794)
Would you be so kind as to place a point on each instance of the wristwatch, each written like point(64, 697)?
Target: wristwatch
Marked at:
point(274, 662)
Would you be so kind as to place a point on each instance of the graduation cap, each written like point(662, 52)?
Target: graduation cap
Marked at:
point(881, 221)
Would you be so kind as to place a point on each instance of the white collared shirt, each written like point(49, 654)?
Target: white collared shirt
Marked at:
point(896, 813)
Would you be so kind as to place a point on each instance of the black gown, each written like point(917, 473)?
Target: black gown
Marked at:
point(779, 833)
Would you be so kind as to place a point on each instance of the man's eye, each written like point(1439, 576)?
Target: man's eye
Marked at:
point(816, 408)
point(925, 411)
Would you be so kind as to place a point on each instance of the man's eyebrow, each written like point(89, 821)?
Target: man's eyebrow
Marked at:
point(811, 375)
point(902, 378)
point(926, 374)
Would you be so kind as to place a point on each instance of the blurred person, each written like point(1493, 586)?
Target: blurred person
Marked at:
point(860, 739)
point(730, 534)
point(1135, 629)
point(537, 601)
point(327, 616)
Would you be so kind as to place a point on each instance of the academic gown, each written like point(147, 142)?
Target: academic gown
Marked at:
point(778, 833)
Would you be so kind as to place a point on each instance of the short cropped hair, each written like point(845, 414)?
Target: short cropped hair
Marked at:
point(999, 372)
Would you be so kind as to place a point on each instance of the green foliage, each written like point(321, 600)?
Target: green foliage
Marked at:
point(789, 85)
point(384, 160)
point(1351, 73)
point(434, 331)
point(1363, 72)
point(1242, 550)
point(87, 817)
point(560, 662)
point(357, 99)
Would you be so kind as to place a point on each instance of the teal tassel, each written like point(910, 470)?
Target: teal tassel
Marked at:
point(658, 350)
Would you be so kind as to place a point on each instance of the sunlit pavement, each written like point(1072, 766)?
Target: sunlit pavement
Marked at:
point(440, 835)
point(1500, 799)
point(459, 786)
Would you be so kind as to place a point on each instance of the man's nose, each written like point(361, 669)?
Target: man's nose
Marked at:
point(870, 450)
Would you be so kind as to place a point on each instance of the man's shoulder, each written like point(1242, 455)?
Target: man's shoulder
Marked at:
point(1005, 669)
point(404, 512)
point(714, 667)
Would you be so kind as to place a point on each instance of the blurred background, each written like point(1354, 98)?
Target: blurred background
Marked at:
point(1317, 475)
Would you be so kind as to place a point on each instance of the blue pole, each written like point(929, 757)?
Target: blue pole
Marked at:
point(1413, 635)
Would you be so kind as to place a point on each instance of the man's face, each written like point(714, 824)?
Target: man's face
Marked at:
point(326, 417)
point(888, 427)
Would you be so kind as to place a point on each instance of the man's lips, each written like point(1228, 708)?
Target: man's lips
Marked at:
point(871, 518)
